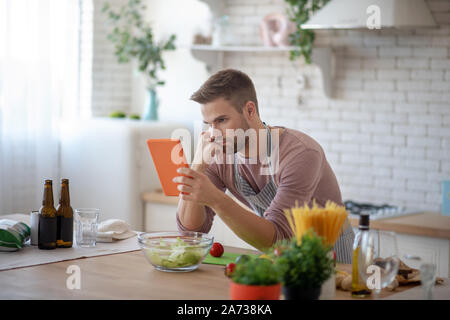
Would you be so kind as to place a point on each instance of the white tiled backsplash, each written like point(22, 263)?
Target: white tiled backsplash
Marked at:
point(386, 131)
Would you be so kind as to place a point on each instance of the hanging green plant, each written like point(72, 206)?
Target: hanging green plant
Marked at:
point(133, 38)
point(300, 11)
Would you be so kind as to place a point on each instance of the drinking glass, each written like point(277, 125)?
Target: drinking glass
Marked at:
point(378, 259)
point(427, 275)
point(428, 278)
point(86, 224)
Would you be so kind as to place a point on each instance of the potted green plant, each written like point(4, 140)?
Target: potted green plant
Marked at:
point(303, 266)
point(299, 12)
point(133, 38)
point(255, 279)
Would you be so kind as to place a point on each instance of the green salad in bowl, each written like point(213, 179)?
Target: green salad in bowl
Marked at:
point(175, 251)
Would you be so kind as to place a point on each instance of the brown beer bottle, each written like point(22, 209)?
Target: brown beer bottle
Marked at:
point(64, 214)
point(47, 219)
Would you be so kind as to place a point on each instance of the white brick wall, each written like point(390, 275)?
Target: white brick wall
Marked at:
point(111, 82)
point(386, 130)
point(86, 56)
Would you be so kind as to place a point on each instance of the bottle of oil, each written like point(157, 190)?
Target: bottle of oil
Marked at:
point(47, 219)
point(359, 288)
point(64, 214)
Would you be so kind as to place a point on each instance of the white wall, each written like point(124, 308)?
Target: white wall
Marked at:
point(121, 87)
point(183, 74)
point(386, 133)
point(111, 81)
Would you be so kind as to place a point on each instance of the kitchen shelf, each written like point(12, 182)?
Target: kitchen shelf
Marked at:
point(213, 56)
point(205, 47)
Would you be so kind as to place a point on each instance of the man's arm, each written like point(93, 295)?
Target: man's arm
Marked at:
point(298, 180)
point(254, 230)
point(299, 176)
point(300, 173)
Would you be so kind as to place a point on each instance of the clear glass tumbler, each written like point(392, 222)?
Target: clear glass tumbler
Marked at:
point(378, 260)
point(86, 224)
point(428, 278)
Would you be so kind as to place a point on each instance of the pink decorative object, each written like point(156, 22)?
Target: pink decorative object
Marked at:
point(275, 29)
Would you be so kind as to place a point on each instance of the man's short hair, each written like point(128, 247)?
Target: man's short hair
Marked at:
point(232, 85)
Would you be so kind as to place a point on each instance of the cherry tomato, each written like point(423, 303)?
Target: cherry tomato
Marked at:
point(216, 250)
point(229, 269)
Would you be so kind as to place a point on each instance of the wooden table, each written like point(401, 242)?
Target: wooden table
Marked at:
point(125, 276)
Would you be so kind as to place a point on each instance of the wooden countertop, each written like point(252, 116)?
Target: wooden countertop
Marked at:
point(428, 224)
point(130, 276)
point(158, 197)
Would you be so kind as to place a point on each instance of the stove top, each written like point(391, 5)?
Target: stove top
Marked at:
point(375, 211)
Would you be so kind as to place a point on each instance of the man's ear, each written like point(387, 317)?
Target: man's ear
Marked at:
point(250, 110)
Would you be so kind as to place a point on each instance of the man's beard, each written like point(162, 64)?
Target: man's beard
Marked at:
point(238, 144)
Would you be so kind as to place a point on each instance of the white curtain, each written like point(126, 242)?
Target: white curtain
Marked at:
point(38, 85)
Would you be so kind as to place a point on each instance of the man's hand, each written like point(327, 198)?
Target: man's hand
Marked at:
point(199, 190)
point(198, 187)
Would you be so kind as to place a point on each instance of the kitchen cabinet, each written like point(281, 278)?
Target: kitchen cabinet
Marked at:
point(424, 235)
point(109, 165)
point(430, 250)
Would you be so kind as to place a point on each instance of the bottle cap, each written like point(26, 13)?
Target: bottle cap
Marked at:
point(48, 181)
point(64, 180)
point(364, 220)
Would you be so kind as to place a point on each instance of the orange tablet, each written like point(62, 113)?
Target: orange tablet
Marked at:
point(168, 156)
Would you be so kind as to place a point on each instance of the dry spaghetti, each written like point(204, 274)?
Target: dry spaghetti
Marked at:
point(326, 222)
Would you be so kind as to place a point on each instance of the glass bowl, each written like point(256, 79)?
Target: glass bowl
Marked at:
point(175, 251)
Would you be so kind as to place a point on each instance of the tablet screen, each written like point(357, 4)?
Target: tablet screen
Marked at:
point(168, 156)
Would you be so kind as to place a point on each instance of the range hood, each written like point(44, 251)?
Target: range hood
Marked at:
point(354, 14)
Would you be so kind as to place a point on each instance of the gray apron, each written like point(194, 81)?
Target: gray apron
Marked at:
point(262, 200)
